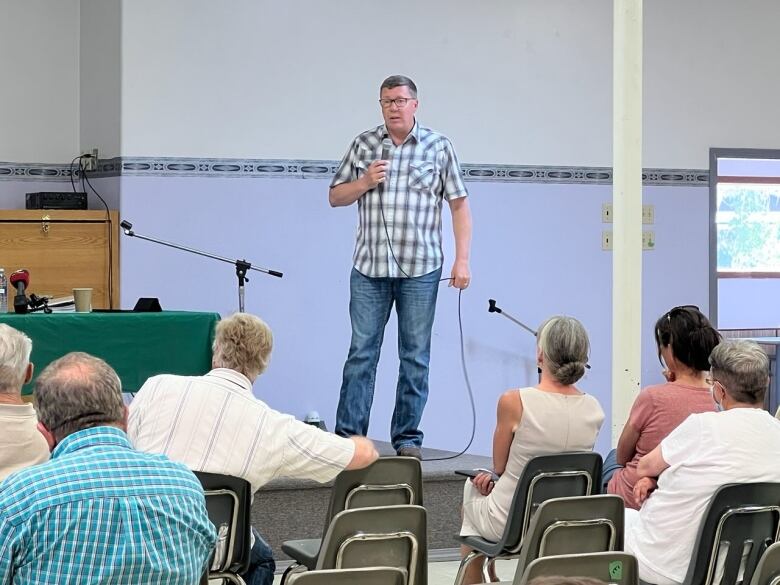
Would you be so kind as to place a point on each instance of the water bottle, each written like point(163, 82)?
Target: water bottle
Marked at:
point(3, 292)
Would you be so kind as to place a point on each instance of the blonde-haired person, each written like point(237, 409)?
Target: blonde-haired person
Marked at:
point(214, 423)
point(552, 417)
point(21, 445)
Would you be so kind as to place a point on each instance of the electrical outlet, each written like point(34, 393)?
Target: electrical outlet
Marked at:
point(606, 240)
point(648, 214)
point(606, 212)
point(648, 240)
point(91, 163)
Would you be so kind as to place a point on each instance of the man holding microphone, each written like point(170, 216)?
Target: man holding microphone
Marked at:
point(399, 173)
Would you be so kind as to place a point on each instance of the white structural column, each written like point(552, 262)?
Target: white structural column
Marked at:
point(627, 206)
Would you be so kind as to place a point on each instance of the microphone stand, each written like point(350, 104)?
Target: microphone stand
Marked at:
point(492, 308)
point(242, 266)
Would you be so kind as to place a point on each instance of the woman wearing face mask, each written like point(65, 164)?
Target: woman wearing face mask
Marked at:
point(685, 339)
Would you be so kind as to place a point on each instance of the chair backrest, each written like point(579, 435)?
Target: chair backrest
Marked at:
point(549, 476)
point(768, 570)
point(616, 568)
point(563, 526)
point(741, 522)
point(388, 481)
point(389, 536)
point(367, 576)
point(228, 503)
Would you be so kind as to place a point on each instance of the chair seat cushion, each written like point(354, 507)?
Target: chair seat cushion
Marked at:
point(487, 547)
point(304, 551)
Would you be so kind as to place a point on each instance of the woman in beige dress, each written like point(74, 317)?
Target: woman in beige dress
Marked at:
point(551, 417)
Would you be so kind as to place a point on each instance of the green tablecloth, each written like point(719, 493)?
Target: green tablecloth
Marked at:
point(136, 345)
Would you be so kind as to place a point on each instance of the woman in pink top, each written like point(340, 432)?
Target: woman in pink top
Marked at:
point(685, 340)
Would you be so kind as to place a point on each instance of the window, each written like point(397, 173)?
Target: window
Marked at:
point(747, 220)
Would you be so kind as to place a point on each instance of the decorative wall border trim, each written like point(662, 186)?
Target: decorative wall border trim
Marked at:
point(324, 169)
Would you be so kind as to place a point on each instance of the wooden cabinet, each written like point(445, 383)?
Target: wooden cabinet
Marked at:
point(63, 249)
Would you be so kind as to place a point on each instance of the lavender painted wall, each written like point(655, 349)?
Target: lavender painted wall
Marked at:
point(749, 303)
point(537, 250)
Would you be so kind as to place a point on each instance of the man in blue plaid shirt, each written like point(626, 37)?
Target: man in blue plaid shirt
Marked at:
point(399, 174)
point(99, 511)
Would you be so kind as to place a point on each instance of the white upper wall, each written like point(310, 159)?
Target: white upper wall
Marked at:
point(524, 82)
point(39, 44)
point(511, 81)
point(100, 76)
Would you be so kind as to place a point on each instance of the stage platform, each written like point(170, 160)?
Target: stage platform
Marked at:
point(290, 509)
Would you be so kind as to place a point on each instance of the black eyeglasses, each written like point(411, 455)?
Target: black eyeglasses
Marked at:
point(399, 102)
point(680, 309)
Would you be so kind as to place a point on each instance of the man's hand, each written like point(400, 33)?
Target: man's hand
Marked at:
point(375, 174)
point(484, 483)
point(642, 489)
point(461, 276)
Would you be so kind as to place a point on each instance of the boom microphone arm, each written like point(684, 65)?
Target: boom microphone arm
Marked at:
point(492, 308)
point(242, 266)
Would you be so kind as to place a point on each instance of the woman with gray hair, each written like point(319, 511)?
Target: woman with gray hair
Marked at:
point(552, 417)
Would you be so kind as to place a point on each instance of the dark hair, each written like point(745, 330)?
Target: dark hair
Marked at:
point(742, 368)
point(399, 81)
point(690, 335)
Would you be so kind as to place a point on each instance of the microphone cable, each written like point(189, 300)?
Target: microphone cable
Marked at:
point(469, 391)
point(83, 177)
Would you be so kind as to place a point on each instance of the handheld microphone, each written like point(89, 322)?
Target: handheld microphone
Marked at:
point(20, 280)
point(387, 144)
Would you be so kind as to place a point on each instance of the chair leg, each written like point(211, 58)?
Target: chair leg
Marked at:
point(287, 571)
point(489, 569)
point(465, 562)
point(232, 577)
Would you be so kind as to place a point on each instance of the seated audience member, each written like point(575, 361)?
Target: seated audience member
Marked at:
point(21, 445)
point(98, 511)
point(708, 450)
point(685, 339)
point(552, 417)
point(214, 423)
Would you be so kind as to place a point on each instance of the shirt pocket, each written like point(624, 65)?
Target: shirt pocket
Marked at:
point(421, 175)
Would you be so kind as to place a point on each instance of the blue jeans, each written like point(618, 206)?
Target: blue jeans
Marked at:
point(261, 563)
point(371, 300)
point(610, 467)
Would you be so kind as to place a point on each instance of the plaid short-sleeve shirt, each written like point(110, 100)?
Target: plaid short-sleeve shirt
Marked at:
point(423, 172)
point(101, 512)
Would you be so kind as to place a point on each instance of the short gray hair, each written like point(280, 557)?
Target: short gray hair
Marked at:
point(15, 350)
point(243, 343)
point(742, 368)
point(565, 347)
point(78, 391)
point(399, 81)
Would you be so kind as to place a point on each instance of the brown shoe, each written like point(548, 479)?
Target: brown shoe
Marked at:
point(410, 451)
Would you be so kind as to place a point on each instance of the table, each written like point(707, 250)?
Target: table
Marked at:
point(774, 394)
point(136, 345)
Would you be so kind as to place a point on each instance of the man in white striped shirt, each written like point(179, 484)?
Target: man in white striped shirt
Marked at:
point(399, 174)
point(214, 423)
